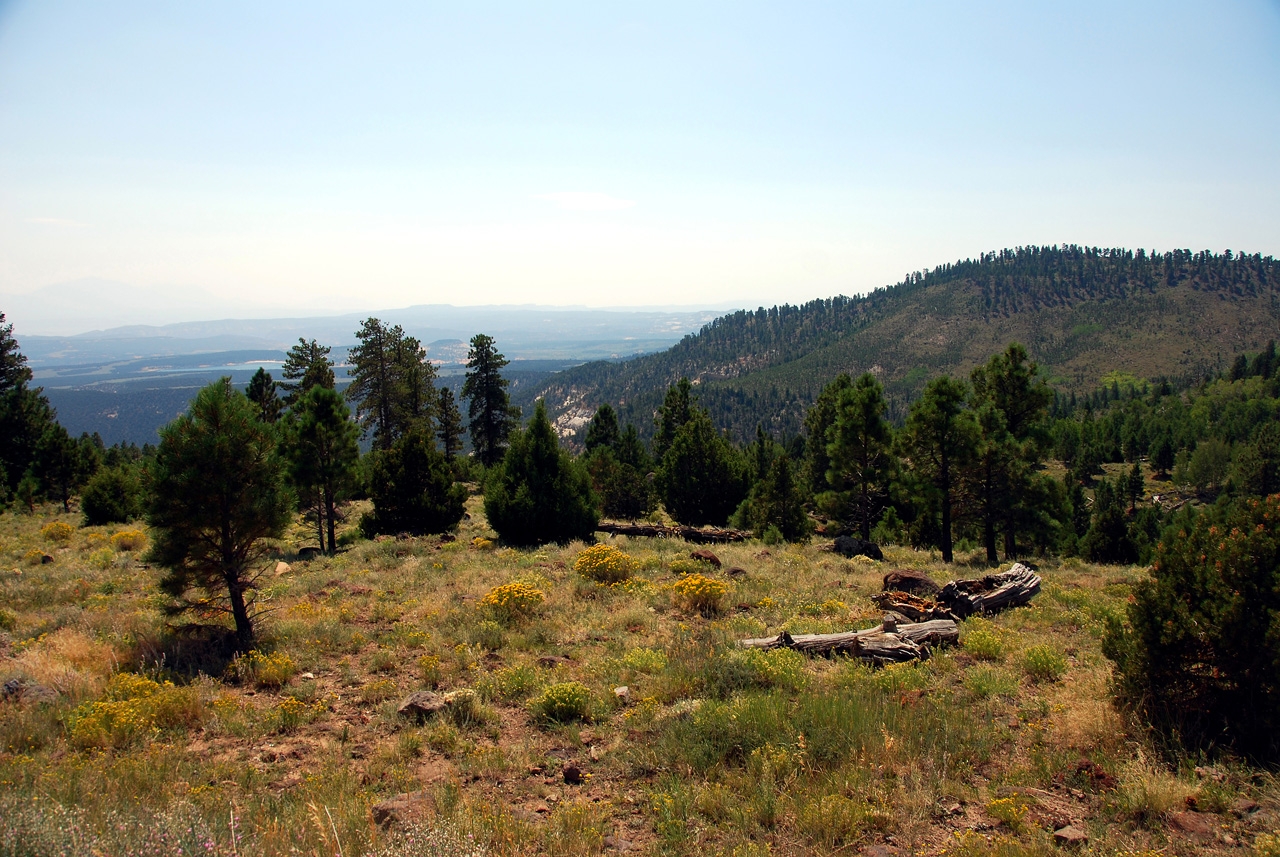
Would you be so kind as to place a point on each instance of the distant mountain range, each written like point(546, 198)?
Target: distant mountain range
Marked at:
point(126, 382)
point(1089, 316)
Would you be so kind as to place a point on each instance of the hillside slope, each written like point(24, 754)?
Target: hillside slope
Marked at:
point(1084, 314)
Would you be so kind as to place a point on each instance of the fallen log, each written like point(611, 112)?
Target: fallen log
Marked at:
point(661, 531)
point(913, 607)
point(882, 644)
point(992, 593)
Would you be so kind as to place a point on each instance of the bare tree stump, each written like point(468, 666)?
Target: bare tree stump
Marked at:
point(992, 593)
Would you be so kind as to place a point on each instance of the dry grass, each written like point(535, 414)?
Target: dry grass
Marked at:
point(710, 750)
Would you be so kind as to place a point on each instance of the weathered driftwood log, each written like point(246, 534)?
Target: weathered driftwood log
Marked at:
point(992, 593)
point(906, 643)
point(659, 531)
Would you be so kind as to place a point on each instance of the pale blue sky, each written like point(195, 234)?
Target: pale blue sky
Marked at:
point(384, 154)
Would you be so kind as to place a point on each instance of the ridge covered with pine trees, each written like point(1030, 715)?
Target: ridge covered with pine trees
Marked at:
point(1086, 315)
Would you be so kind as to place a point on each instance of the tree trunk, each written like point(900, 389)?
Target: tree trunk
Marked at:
point(989, 594)
point(944, 481)
point(239, 610)
point(989, 539)
point(879, 644)
point(689, 534)
point(329, 512)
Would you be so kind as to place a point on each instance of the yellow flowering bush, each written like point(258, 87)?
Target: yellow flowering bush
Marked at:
point(514, 600)
point(261, 669)
point(686, 566)
point(645, 660)
point(35, 556)
point(984, 640)
point(604, 564)
point(481, 544)
point(94, 541)
point(291, 712)
point(562, 702)
point(132, 707)
point(129, 540)
point(700, 593)
point(1011, 811)
point(57, 531)
point(102, 558)
point(1044, 663)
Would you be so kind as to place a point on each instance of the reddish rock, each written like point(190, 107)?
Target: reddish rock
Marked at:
point(909, 580)
point(1192, 825)
point(704, 555)
point(1070, 836)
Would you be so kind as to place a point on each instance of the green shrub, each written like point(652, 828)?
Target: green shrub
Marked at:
point(739, 669)
point(983, 640)
point(511, 684)
point(562, 703)
point(539, 494)
point(686, 566)
point(645, 660)
point(487, 635)
point(412, 489)
point(113, 495)
point(1044, 663)
point(1195, 657)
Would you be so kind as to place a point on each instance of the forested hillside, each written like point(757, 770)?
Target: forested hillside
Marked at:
point(1086, 315)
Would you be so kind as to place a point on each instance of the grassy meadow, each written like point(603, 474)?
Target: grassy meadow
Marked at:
point(119, 737)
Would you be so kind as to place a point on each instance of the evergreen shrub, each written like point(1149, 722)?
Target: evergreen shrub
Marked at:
point(539, 494)
point(1196, 657)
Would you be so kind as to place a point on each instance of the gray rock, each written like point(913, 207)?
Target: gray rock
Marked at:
point(421, 705)
point(1070, 836)
point(402, 809)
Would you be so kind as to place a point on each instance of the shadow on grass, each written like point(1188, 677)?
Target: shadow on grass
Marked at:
point(188, 651)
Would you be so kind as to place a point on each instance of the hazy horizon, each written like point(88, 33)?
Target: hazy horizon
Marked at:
point(334, 158)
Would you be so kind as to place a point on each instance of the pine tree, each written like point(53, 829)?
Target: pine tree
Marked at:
point(939, 440)
point(321, 447)
point(217, 494)
point(450, 424)
point(540, 494)
point(859, 452)
point(677, 409)
point(490, 413)
point(262, 393)
point(25, 415)
point(112, 495)
point(306, 365)
point(1011, 404)
point(817, 422)
point(58, 465)
point(702, 478)
point(602, 431)
point(373, 384)
point(393, 384)
point(413, 489)
point(777, 503)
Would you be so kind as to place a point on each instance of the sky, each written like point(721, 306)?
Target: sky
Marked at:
point(339, 156)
